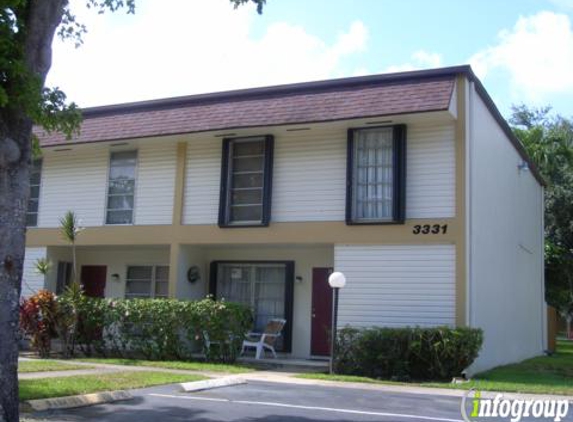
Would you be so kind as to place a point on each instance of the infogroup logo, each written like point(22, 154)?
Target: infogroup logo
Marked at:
point(477, 408)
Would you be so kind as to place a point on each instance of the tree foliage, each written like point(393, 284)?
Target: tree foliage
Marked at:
point(22, 83)
point(548, 139)
point(27, 29)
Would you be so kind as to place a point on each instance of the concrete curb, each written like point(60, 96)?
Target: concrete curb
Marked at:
point(70, 402)
point(190, 387)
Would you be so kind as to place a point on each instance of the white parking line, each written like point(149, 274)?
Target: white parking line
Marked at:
point(324, 409)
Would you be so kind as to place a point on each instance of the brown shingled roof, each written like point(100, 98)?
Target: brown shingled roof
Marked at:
point(310, 102)
point(300, 103)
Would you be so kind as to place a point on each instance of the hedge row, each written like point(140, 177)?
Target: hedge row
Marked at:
point(162, 329)
point(407, 353)
point(157, 329)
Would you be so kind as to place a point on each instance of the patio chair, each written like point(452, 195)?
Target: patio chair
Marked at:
point(265, 340)
point(207, 342)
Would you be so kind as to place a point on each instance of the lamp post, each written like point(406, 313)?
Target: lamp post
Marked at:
point(337, 281)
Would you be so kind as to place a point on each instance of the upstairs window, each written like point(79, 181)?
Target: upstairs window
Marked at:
point(376, 175)
point(246, 177)
point(121, 190)
point(34, 199)
point(147, 281)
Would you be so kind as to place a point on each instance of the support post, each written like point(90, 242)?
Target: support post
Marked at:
point(333, 328)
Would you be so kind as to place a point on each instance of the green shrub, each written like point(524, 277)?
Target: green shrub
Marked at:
point(66, 317)
point(160, 329)
point(438, 353)
point(93, 315)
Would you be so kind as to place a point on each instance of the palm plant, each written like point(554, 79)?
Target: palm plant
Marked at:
point(42, 266)
point(70, 229)
point(67, 318)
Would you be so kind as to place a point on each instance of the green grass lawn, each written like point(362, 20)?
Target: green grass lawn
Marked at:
point(188, 366)
point(349, 378)
point(42, 365)
point(84, 384)
point(542, 375)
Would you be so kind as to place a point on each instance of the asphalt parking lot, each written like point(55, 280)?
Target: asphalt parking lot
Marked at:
point(266, 402)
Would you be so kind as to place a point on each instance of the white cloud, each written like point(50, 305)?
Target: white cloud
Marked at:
point(427, 59)
point(564, 4)
point(420, 59)
point(537, 53)
point(203, 47)
point(352, 41)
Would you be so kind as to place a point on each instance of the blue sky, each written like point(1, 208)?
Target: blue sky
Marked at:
point(521, 49)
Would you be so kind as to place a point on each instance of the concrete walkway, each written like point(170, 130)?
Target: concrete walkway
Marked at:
point(70, 373)
point(99, 368)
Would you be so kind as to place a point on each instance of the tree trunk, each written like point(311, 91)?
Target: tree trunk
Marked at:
point(40, 19)
point(74, 268)
point(14, 160)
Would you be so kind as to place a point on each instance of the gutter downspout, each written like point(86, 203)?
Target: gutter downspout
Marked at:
point(470, 318)
point(544, 328)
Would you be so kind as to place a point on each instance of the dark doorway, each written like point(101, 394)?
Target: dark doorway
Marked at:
point(63, 277)
point(321, 312)
point(93, 280)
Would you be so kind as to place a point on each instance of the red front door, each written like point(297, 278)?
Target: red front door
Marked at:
point(321, 312)
point(93, 280)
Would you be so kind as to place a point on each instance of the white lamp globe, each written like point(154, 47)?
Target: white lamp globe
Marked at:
point(337, 280)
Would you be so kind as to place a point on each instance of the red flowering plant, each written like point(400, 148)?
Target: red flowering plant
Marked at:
point(37, 320)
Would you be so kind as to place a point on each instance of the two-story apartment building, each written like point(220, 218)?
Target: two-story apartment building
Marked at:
point(411, 184)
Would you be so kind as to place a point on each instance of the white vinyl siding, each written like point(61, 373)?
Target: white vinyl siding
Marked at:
point(309, 179)
point(203, 181)
point(155, 189)
point(31, 280)
point(74, 181)
point(506, 285)
point(309, 176)
point(396, 285)
point(430, 171)
point(77, 180)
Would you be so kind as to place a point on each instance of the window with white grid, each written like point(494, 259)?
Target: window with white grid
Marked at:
point(121, 187)
point(147, 281)
point(246, 181)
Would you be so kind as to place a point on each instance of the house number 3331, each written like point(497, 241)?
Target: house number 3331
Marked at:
point(430, 229)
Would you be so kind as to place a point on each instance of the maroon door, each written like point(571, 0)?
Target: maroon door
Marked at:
point(321, 312)
point(93, 280)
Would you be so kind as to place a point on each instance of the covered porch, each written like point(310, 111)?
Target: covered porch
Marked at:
point(276, 281)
